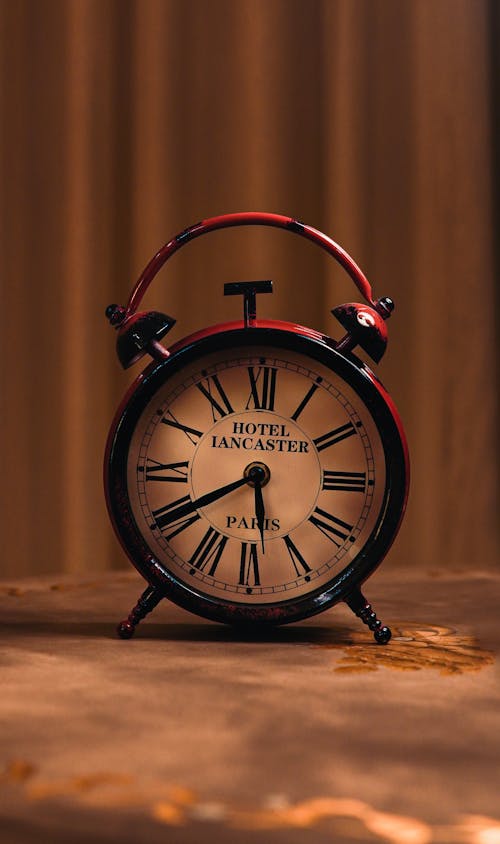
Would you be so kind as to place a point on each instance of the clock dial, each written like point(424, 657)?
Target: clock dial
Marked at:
point(256, 476)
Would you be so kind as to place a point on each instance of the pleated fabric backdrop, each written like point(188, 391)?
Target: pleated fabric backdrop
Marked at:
point(124, 121)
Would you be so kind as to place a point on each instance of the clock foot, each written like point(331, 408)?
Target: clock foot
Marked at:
point(360, 607)
point(147, 602)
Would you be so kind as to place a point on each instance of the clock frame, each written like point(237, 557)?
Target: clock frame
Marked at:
point(179, 575)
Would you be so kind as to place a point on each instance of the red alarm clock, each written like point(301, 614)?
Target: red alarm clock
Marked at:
point(256, 472)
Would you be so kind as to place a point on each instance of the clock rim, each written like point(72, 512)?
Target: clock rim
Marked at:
point(286, 337)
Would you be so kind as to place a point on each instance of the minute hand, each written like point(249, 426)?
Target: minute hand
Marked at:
point(260, 512)
point(204, 500)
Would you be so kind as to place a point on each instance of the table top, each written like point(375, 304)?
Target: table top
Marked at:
point(193, 731)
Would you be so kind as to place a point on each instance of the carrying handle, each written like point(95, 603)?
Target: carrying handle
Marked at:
point(246, 218)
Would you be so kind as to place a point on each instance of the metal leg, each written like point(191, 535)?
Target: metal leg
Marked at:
point(147, 602)
point(360, 607)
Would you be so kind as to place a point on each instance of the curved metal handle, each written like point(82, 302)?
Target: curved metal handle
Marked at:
point(246, 218)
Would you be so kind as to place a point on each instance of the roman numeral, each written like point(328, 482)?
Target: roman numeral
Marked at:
point(191, 433)
point(172, 472)
point(308, 396)
point(249, 565)
point(344, 481)
point(296, 557)
point(163, 518)
point(209, 551)
point(212, 389)
point(263, 387)
point(334, 436)
point(330, 526)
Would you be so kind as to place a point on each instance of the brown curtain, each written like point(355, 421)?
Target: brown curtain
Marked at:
point(124, 121)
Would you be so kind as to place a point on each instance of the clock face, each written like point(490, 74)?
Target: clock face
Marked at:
point(255, 475)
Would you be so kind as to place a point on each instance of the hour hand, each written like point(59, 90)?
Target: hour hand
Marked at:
point(173, 512)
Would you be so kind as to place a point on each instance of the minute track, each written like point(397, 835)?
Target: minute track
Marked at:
point(182, 536)
point(254, 425)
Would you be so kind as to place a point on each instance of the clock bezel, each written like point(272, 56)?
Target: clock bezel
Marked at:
point(283, 336)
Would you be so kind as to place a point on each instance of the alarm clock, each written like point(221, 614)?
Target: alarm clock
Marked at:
point(256, 472)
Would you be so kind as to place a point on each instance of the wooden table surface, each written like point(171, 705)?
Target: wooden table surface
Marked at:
point(192, 732)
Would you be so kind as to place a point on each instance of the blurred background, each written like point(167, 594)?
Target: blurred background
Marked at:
point(125, 121)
